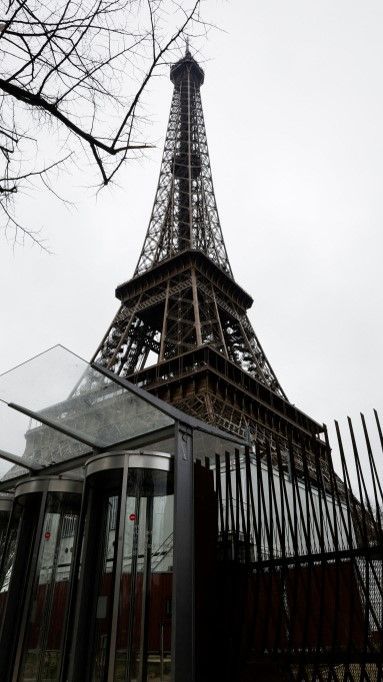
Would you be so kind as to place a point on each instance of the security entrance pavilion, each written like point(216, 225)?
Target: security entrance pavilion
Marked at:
point(98, 526)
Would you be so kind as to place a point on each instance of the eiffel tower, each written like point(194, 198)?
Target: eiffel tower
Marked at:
point(182, 331)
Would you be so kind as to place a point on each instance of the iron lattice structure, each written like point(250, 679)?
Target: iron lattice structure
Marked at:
point(185, 214)
point(183, 295)
point(182, 331)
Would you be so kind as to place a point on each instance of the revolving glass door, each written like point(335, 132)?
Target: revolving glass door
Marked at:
point(37, 577)
point(144, 619)
point(8, 535)
point(129, 613)
point(41, 656)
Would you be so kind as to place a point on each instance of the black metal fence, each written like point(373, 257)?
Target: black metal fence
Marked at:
point(300, 560)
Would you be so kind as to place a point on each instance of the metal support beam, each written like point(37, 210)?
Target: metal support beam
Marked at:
point(13, 459)
point(183, 571)
point(54, 425)
point(197, 320)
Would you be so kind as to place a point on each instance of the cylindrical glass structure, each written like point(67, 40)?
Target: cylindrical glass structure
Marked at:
point(6, 502)
point(45, 516)
point(123, 618)
point(7, 542)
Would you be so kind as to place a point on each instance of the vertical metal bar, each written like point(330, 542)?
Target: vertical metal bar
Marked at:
point(364, 499)
point(312, 569)
point(32, 571)
point(267, 522)
point(240, 494)
point(347, 543)
point(331, 522)
point(285, 624)
point(335, 499)
point(76, 654)
point(281, 477)
point(227, 514)
point(262, 513)
point(238, 501)
point(273, 497)
point(248, 503)
point(306, 516)
point(162, 652)
point(354, 562)
point(118, 573)
point(278, 571)
point(73, 584)
point(229, 501)
point(374, 476)
point(310, 497)
point(294, 510)
point(319, 571)
point(285, 501)
point(297, 500)
point(348, 490)
point(321, 502)
point(146, 584)
point(256, 519)
point(270, 500)
point(295, 570)
point(133, 576)
point(183, 636)
point(219, 492)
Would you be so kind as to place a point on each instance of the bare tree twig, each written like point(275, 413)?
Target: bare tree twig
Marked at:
point(80, 67)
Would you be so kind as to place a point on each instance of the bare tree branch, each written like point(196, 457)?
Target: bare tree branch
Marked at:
point(80, 67)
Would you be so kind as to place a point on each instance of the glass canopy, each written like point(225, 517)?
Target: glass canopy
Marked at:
point(61, 408)
point(56, 407)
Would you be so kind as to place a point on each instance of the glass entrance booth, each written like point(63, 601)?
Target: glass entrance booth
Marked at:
point(126, 578)
point(108, 528)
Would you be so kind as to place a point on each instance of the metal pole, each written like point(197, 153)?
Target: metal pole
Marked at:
point(183, 575)
point(119, 568)
point(162, 652)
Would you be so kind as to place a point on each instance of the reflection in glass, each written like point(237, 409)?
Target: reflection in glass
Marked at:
point(8, 549)
point(144, 622)
point(64, 391)
point(5, 512)
point(42, 650)
point(104, 599)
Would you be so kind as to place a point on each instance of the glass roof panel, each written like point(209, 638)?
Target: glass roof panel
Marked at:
point(34, 443)
point(63, 391)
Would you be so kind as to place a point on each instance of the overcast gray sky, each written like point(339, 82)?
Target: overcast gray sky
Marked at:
point(293, 104)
